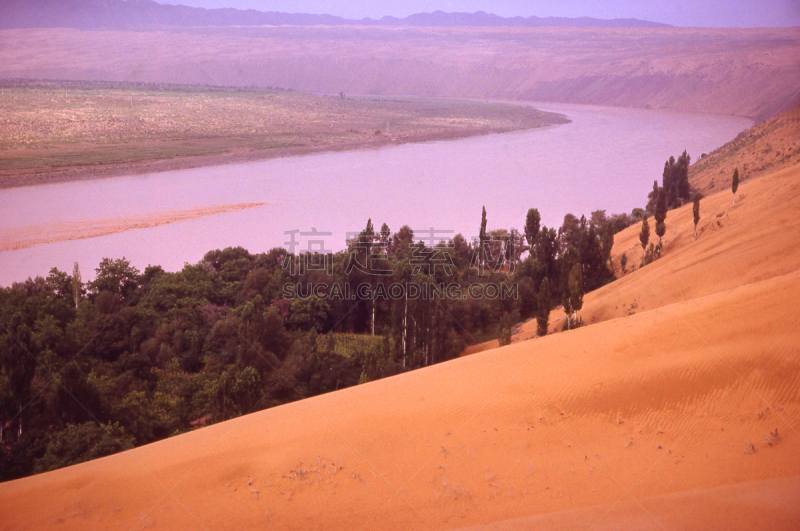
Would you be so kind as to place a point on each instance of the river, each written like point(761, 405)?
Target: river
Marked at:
point(606, 158)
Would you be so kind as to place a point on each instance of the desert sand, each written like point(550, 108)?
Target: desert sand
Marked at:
point(677, 409)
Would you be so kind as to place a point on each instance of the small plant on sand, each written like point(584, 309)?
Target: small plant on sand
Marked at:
point(772, 438)
point(696, 213)
point(623, 263)
point(735, 184)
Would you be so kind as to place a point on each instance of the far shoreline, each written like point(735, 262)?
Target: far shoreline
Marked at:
point(431, 120)
point(87, 173)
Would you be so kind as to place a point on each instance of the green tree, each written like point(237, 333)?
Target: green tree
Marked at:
point(546, 253)
point(117, 277)
point(543, 312)
point(696, 214)
point(74, 397)
point(682, 177)
point(513, 249)
point(569, 259)
point(367, 237)
point(661, 214)
point(483, 238)
point(19, 366)
point(59, 283)
point(247, 390)
point(608, 243)
point(569, 234)
point(652, 197)
point(735, 184)
point(532, 221)
point(576, 289)
point(310, 312)
point(566, 304)
point(504, 337)
point(644, 234)
point(385, 235)
point(675, 181)
point(77, 287)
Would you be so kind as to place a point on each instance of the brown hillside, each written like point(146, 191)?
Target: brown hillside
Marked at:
point(747, 72)
point(769, 146)
point(682, 415)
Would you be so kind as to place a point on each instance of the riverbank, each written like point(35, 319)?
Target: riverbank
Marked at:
point(66, 131)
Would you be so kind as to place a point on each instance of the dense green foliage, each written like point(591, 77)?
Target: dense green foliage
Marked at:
point(675, 185)
point(89, 369)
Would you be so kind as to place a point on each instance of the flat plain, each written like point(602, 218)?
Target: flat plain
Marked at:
point(55, 131)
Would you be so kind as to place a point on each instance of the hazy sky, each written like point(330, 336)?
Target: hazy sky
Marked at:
point(709, 13)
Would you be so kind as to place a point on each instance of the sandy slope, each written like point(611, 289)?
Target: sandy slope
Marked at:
point(657, 420)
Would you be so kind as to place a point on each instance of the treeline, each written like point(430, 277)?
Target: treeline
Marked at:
point(89, 369)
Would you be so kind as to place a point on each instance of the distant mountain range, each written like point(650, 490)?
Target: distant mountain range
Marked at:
point(136, 14)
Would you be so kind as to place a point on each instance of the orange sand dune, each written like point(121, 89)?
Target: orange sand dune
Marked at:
point(683, 415)
point(718, 508)
point(20, 238)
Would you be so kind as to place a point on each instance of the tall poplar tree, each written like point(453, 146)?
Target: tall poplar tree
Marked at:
point(483, 238)
point(661, 214)
point(644, 235)
point(576, 289)
point(532, 221)
point(543, 312)
point(76, 284)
